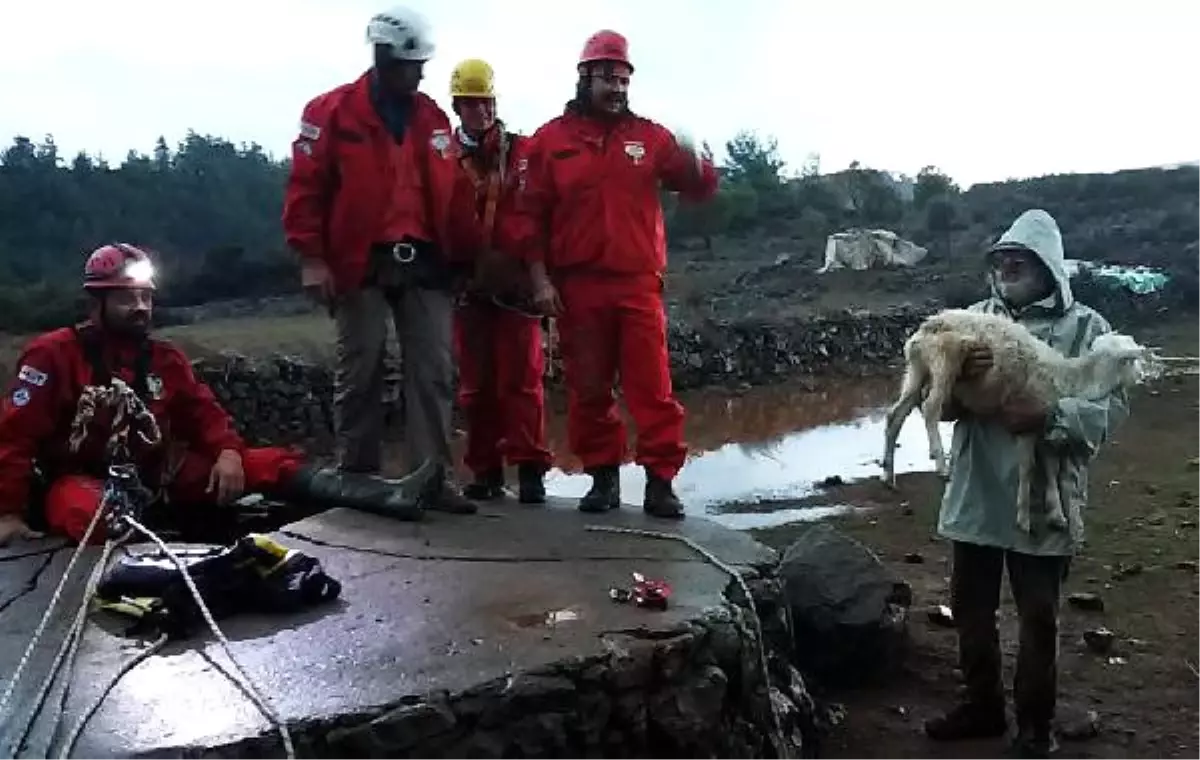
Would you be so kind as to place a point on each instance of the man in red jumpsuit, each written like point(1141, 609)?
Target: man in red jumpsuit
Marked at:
point(367, 211)
point(595, 237)
point(200, 461)
point(500, 357)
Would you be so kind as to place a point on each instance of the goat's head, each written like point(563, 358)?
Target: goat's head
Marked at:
point(1123, 360)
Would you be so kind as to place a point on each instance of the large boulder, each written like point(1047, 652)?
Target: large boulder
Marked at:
point(849, 613)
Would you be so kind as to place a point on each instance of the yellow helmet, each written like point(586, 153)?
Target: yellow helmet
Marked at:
point(472, 78)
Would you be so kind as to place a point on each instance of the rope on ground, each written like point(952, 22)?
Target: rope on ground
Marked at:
point(777, 737)
point(68, 650)
point(130, 664)
point(252, 690)
point(54, 599)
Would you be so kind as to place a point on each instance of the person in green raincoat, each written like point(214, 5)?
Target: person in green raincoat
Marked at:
point(1029, 283)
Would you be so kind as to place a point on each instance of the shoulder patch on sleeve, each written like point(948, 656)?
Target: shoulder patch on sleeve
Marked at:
point(440, 140)
point(310, 131)
point(32, 375)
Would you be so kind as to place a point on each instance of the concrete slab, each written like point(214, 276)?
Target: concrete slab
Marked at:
point(442, 607)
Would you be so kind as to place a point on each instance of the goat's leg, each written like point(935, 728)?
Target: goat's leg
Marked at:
point(940, 380)
point(1026, 447)
point(910, 396)
point(1051, 469)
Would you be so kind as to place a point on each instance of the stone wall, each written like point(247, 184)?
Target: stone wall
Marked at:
point(695, 690)
point(285, 399)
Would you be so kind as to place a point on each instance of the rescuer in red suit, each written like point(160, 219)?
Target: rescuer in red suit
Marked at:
point(500, 358)
point(595, 239)
point(201, 459)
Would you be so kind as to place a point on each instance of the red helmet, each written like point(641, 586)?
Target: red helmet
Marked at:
point(606, 45)
point(118, 265)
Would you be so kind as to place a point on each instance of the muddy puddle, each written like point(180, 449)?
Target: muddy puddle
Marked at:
point(767, 445)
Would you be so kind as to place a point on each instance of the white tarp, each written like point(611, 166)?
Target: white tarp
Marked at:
point(869, 249)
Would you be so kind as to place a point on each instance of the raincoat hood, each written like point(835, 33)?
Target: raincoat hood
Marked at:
point(1037, 232)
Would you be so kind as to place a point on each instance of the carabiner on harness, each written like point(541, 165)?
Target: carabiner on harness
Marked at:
point(125, 496)
point(404, 253)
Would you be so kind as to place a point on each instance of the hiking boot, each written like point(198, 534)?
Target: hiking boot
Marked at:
point(605, 493)
point(401, 499)
point(968, 721)
point(487, 486)
point(531, 483)
point(1033, 743)
point(661, 500)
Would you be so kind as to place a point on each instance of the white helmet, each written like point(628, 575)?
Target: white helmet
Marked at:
point(405, 31)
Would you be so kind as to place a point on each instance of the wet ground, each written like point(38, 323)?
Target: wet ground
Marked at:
point(756, 453)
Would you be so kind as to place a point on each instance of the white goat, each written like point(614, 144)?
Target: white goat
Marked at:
point(1022, 366)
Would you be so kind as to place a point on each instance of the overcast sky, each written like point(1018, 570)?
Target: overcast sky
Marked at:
point(985, 89)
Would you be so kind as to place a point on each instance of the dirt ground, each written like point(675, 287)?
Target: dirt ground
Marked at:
point(1141, 559)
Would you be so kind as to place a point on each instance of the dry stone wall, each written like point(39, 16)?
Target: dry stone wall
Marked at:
point(286, 399)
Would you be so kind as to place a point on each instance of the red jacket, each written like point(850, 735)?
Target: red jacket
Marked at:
point(469, 205)
point(37, 412)
point(590, 199)
point(337, 193)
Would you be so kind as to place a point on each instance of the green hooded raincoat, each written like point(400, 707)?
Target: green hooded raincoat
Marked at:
point(979, 503)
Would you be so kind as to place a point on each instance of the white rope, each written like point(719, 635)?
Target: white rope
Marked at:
point(64, 659)
point(54, 599)
point(777, 738)
point(256, 695)
point(130, 664)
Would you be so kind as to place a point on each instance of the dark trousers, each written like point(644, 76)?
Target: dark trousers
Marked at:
point(1036, 584)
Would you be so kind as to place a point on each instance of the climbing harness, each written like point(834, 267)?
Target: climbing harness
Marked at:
point(491, 183)
point(121, 505)
point(783, 749)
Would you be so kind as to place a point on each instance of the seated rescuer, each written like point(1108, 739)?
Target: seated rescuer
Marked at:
point(366, 209)
point(1029, 283)
point(592, 228)
point(201, 459)
point(500, 356)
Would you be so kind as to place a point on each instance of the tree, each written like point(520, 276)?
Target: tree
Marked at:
point(932, 183)
point(871, 199)
point(754, 161)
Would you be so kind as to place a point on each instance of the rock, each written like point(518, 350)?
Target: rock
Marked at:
point(849, 612)
point(914, 558)
point(1099, 640)
point(1085, 600)
point(940, 615)
point(1084, 727)
point(1126, 571)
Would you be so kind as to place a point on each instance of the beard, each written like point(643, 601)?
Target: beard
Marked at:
point(134, 325)
point(1024, 291)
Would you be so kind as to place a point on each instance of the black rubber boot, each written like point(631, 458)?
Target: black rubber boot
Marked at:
point(402, 499)
point(968, 721)
point(1033, 742)
point(661, 500)
point(450, 499)
point(531, 483)
point(605, 493)
point(488, 486)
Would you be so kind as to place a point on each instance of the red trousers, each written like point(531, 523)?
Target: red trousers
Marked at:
point(500, 365)
point(72, 500)
point(617, 327)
